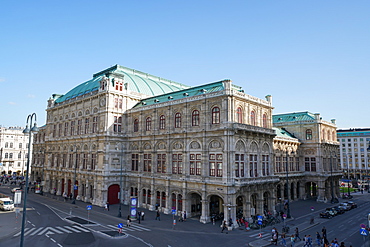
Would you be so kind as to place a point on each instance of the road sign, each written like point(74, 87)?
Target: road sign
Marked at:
point(284, 216)
point(363, 226)
point(88, 207)
point(75, 187)
point(120, 225)
point(173, 211)
point(364, 232)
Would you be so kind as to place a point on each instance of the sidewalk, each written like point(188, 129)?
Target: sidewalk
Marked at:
point(300, 212)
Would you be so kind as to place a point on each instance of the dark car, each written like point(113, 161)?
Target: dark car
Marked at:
point(339, 210)
point(352, 204)
point(328, 213)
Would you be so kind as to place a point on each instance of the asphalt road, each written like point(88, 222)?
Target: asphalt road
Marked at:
point(52, 222)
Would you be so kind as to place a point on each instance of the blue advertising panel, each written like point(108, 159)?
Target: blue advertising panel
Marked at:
point(133, 206)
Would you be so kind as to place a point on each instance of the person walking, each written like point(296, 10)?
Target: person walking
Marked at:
point(184, 216)
point(158, 216)
point(292, 240)
point(297, 234)
point(318, 239)
point(142, 215)
point(128, 221)
point(138, 216)
point(283, 241)
point(323, 231)
point(224, 226)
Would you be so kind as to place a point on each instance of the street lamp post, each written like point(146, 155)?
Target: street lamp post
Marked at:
point(29, 132)
point(120, 185)
point(331, 178)
point(74, 184)
point(287, 184)
point(367, 163)
point(349, 192)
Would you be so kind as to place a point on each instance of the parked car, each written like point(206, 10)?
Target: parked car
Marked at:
point(15, 189)
point(344, 206)
point(352, 204)
point(328, 213)
point(339, 210)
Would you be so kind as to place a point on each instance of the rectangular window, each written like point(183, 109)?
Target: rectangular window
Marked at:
point(60, 130)
point(87, 124)
point(161, 163)
point(95, 125)
point(134, 162)
point(117, 126)
point(72, 128)
point(253, 165)
point(147, 162)
point(79, 127)
point(120, 103)
point(265, 165)
point(93, 161)
point(84, 161)
point(177, 163)
point(115, 102)
point(239, 165)
point(66, 129)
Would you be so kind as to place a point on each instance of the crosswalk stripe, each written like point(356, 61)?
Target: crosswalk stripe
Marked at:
point(36, 231)
point(72, 229)
point(143, 228)
point(125, 228)
point(63, 229)
point(80, 228)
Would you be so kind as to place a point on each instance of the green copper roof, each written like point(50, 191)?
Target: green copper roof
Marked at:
point(292, 117)
point(198, 90)
point(282, 133)
point(137, 81)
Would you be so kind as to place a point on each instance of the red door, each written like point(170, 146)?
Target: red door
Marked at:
point(113, 191)
point(62, 184)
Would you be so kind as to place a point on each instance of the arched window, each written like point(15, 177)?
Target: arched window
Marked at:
point(178, 120)
point(215, 115)
point(333, 136)
point(162, 122)
point(6, 144)
point(6, 155)
point(136, 125)
point(195, 118)
point(329, 137)
point(11, 145)
point(264, 121)
point(148, 123)
point(239, 115)
point(308, 134)
point(323, 134)
point(253, 118)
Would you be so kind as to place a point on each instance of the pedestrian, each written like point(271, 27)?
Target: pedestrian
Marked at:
point(342, 244)
point(326, 242)
point(318, 239)
point(128, 221)
point(184, 216)
point(312, 220)
point(309, 241)
point(224, 226)
point(106, 206)
point(275, 237)
point(158, 216)
point(230, 222)
point(323, 231)
point(142, 215)
point(297, 234)
point(292, 240)
point(138, 216)
point(283, 241)
point(65, 196)
point(334, 244)
point(70, 196)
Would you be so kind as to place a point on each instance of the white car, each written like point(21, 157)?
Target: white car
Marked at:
point(15, 189)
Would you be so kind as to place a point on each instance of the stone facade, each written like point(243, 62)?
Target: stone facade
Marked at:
point(13, 151)
point(205, 150)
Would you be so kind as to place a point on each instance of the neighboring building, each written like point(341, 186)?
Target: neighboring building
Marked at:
point(207, 150)
point(318, 153)
point(354, 152)
point(13, 151)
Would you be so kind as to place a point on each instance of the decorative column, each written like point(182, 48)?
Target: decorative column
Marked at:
point(322, 189)
point(204, 218)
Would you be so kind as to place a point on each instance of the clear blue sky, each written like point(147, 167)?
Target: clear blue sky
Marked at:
point(309, 55)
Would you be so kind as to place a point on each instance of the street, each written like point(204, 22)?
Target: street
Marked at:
point(51, 221)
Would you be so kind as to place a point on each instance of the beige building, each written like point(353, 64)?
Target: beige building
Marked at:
point(207, 150)
point(13, 151)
